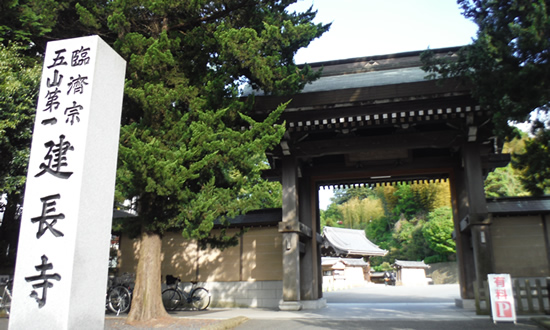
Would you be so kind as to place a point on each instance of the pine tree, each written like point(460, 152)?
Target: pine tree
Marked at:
point(190, 150)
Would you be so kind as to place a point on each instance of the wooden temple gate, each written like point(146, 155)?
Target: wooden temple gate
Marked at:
point(372, 121)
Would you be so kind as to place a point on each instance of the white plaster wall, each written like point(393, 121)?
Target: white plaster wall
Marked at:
point(413, 277)
point(253, 294)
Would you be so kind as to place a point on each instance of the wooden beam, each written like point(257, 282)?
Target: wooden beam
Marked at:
point(443, 139)
point(295, 227)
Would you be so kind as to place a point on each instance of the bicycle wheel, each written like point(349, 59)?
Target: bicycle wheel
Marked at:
point(171, 299)
point(6, 299)
point(200, 298)
point(119, 299)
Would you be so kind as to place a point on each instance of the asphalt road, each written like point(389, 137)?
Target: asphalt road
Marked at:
point(382, 307)
point(374, 307)
point(383, 325)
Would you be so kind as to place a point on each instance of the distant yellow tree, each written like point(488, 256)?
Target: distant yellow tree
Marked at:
point(433, 195)
point(358, 213)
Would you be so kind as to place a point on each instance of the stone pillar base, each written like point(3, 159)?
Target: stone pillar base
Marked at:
point(314, 304)
point(469, 304)
point(290, 305)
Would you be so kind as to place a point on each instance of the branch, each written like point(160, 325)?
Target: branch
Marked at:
point(214, 16)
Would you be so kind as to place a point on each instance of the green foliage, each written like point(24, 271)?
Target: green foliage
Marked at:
point(183, 151)
point(28, 22)
point(419, 199)
point(504, 182)
point(341, 196)
point(534, 163)
point(202, 175)
point(19, 79)
point(379, 232)
point(409, 202)
point(438, 232)
point(357, 213)
point(331, 217)
point(409, 242)
point(383, 267)
point(397, 218)
point(189, 151)
point(509, 181)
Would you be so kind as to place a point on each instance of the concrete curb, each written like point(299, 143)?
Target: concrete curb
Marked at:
point(227, 324)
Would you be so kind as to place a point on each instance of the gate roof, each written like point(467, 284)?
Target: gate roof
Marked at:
point(375, 120)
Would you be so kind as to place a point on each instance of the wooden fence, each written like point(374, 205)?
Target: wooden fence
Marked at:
point(530, 296)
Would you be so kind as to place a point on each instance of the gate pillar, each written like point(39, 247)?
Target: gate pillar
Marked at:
point(289, 228)
point(463, 239)
point(311, 288)
point(478, 217)
point(472, 225)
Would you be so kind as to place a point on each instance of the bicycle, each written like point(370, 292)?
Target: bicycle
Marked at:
point(5, 303)
point(173, 296)
point(119, 295)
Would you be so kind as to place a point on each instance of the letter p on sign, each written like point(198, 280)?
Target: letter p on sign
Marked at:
point(504, 309)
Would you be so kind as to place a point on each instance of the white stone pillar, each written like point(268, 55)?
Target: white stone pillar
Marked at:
point(62, 259)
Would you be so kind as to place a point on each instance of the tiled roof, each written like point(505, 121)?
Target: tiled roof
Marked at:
point(325, 261)
point(410, 264)
point(366, 79)
point(350, 242)
point(519, 205)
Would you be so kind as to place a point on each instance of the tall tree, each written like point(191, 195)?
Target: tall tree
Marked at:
point(183, 151)
point(341, 196)
point(190, 151)
point(508, 66)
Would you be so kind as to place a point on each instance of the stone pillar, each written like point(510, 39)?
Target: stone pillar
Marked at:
point(291, 239)
point(63, 254)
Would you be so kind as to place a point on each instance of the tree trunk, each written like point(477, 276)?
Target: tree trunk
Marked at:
point(147, 296)
point(9, 234)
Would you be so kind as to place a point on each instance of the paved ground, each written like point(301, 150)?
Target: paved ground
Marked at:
point(372, 307)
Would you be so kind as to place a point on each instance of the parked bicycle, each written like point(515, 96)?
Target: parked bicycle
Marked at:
point(119, 294)
point(5, 303)
point(173, 296)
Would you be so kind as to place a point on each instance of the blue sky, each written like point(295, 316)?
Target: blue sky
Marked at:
point(367, 27)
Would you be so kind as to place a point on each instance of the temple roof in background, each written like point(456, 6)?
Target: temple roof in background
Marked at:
point(348, 243)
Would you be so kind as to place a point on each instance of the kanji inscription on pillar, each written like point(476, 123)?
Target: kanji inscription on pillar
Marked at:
point(65, 231)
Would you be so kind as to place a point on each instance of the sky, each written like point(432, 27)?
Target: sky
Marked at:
point(367, 27)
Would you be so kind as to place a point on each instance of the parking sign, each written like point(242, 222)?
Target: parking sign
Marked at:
point(502, 298)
